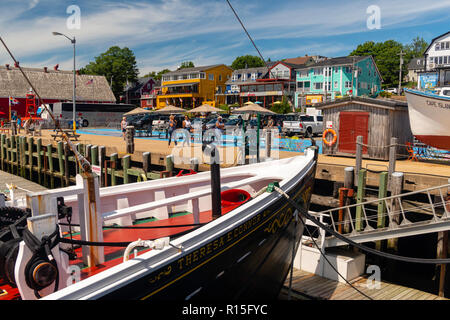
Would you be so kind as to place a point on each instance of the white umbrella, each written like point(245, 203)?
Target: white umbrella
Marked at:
point(205, 108)
point(253, 108)
point(137, 111)
point(171, 109)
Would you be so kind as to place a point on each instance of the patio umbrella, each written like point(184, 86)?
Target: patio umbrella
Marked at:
point(137, 111)
point(253, 108)
point(171, 110)
point(205, 108)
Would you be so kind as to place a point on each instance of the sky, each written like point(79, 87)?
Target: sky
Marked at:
point(164, 33)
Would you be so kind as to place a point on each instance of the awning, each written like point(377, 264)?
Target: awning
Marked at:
point(186, 84)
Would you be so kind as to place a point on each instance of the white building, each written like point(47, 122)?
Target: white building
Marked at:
point(437, 63)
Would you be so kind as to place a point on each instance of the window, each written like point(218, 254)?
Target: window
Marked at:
point(348, 69)
point(318, 71)
point(234, 78)
point(244, 77)
point(269, 87)
point(440, 60)
point(253, 76)
point(300, 85)
point(328, 86)
point(319, 118)
point(336, 84)
point(302, 74)
point(202, 75)
point(185, 76)
point(220, 77)
point(252, 88)
point(244, 88)
point(278, 87)
point(348, 84)
point(327, 71)
point(211, 76)
point(307, 118)
point(287, 74)
point(438, 46)
point(318, 85)
point(445, 60)
point(336, 70)
point(307, 84)
point(279, 74)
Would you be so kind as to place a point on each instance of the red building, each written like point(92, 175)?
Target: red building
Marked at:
point(52, 85)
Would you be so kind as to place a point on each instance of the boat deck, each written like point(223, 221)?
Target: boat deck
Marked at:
point(308, 286)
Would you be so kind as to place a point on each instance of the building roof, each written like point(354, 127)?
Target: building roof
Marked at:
point(348, 60)
point(300, 60)
point(432, 41)
point(380, 103)
point(53, 84)
point(416, 64)
point(195, 69)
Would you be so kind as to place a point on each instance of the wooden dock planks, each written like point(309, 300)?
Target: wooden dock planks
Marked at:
point(316, 287)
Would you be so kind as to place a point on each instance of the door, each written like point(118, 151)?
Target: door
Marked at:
point(352, 125)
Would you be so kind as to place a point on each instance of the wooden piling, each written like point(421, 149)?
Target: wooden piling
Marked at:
point(359, 152)
point(94, 155)
point(2, 150)
point(30, 156)
point(360, 198)
point(194, 164)
point(66, 165)
point(60, 148)
point(50, 165)
point(442, 248)
point(396, 186)
point(170, 164)
point(114, 158)
point(39, 159)
point(146, 159)
point(392, 156)
point(126, 162)
point(102, 159)
point(381, 210)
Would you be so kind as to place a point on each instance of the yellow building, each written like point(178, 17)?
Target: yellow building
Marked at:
point(191, 87)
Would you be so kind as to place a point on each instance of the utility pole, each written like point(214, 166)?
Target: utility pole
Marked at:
point(401, 54)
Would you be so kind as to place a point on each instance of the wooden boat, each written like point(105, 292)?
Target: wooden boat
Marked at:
point(429, 116)
point(245, 253)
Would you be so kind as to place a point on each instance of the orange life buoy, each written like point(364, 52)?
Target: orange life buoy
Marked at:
point(324, 137)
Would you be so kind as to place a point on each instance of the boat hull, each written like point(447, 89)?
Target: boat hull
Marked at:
point(250, 262)
point(429, 118)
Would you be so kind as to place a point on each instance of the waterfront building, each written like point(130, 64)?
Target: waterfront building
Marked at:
point(437, 63)
point(143, 87)
point(278, 82)
point(336, 77)
point(52, 85)
point(242, 77)
point(191, 87)
point(415, 66)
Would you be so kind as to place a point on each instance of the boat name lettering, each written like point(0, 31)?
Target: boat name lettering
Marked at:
point(438, 104)
point(213, 246)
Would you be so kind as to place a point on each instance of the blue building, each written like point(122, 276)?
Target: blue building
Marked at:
point(336, 77)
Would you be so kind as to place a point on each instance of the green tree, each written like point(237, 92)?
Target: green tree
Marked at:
point(118, 65)
point(417, 48)
point(386, 57)
point(156, 76)
point(247, 61)
point(186, 64)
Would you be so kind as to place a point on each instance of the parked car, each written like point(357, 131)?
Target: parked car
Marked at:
point(313, 125)
point(391, 90)
point(144, 122)
point(292, 125)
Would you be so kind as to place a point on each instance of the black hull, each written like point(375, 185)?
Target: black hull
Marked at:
point(249, 263)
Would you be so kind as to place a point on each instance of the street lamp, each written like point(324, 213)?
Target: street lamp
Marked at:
point(73, 41)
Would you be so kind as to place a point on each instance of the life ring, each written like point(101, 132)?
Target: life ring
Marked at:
point(182, 174)
point(324, 137)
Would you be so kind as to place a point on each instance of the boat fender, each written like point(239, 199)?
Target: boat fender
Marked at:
point(41, 270)
point(333, 141)
point(234, 197)
point(182, 174)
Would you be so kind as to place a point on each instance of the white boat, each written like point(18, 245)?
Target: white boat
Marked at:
point(244, 252)
point(429, 116)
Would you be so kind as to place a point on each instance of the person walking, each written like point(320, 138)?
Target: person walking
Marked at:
point(187, 125)
point(123, 127)
point(172, 128)
point(19, 124)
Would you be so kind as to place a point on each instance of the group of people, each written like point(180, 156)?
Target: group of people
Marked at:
point(28, 124)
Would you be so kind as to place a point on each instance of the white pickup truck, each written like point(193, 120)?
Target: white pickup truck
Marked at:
point(304, 125)
point(313, 125)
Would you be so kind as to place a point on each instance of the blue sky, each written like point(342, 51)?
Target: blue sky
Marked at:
point(164, 33)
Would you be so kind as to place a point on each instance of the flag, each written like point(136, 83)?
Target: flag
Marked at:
point(13, 101)
point(91, 81)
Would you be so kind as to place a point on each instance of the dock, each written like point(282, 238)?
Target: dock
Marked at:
point(308, 286)
point(24, 185)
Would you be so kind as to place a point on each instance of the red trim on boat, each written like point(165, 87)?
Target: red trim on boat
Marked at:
point(440, 142)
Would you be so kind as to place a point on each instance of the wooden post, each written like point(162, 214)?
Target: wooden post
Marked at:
point(360, 198)
point(13, 156)
point(24, 156)
point(268, 137)
point(396, 189)
point(102, 158)
point(87, 152)
point(66, 164)
point(382, 193)
point(392, 157)
point(114, 158)
point(194, 164)
point(359, 152)
point(126, 160)
point(2, 151)
point(129, 139)
point(39, 159)
point(349, 178)
point(30, 156)
point(146, 159)
point(442, 247)
point(94, 155)
point(50, 165)
point(60, 149)
point(170, 165)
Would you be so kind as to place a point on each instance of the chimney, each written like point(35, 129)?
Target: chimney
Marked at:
point(45, 70)
point(56, 67)
point(16, 64)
